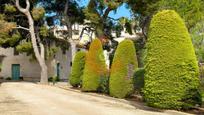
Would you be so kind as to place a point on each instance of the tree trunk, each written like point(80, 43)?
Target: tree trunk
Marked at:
point(69, 29)
point(73, 48)
point(39, 55)
point(44, 73)
point(66, 19)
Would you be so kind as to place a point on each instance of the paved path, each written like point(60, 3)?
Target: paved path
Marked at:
point(31, 99)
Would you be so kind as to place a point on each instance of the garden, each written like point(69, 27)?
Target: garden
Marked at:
point(154, 49)
point(169, 78)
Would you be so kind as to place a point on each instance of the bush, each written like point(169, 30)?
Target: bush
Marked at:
point(139, 79)
point(95, 67)
point(53, 79)
point(8, 78)
point(77, 68)
point(50, 79)
point(122, 70)
point(171, 70)
point(104, 84)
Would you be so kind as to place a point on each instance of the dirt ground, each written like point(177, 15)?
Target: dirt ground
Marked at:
point(23, 98)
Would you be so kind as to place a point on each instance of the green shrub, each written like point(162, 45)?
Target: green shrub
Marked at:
point(104, 84)
point(122, 70)
point(171, 70)
point(95, 67)
point(139, 79)
point(77, 68)
point(8, 78)
point(54, 79)
point(50, 79)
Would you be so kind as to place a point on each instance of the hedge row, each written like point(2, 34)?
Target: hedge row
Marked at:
point(170, 76)
point(95, 73)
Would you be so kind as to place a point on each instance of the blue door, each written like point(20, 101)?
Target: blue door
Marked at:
point(15, 71)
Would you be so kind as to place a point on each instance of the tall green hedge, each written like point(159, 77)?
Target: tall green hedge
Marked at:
point(171, 68)
point(122, 70)
point(95, 67)
point(77, 68)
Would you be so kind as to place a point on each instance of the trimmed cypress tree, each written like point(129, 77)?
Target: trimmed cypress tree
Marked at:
point(122, 70)
point(95, 67)
point(171, 68)
point(77, 68)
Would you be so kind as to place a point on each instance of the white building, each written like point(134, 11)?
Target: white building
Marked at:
point(19, 66)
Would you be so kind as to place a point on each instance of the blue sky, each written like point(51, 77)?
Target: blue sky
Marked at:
point(122, 11)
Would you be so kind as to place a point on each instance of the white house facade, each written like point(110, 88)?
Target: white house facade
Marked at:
point(20, 66)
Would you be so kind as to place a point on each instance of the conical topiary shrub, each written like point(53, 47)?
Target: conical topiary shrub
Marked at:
point(122, 70)
point(77, 68)
point(171, 70)
point(95, 67)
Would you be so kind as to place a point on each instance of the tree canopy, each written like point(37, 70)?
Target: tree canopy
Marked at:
point(24, 26)
point(97, 13)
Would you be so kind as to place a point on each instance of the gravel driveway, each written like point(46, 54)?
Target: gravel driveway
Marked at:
point(22, 98)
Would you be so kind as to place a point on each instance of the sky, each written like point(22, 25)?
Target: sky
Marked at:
point(122, 11)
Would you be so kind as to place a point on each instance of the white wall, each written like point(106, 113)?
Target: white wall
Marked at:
point(27, 68)
point(64, 60)
point(31, 69)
